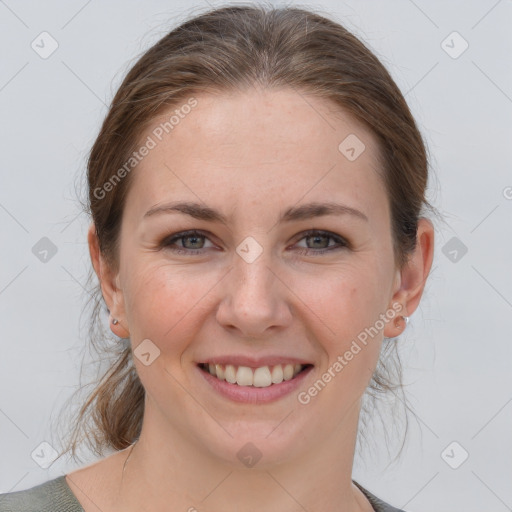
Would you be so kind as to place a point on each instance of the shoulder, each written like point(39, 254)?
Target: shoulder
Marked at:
point(377, 504)
point(52, 496)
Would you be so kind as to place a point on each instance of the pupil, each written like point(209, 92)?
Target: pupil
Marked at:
point(193, 237)
point(317, 237)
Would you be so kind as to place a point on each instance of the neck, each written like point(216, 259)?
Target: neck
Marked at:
point(181, 474)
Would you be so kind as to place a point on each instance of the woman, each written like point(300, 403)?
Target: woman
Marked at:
point(257, 193)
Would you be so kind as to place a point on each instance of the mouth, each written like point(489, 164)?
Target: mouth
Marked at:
point(261, 377)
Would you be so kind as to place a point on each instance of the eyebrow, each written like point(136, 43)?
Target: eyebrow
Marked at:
point(294, 213)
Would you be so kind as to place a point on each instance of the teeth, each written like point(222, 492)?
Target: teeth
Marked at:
point(288, 371)
point(218, 371)
point(230, 374)
point(277, 374)
point(244, 376)
point(260, 377)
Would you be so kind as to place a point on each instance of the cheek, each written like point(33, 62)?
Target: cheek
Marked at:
point(342, 303)
point(345, 307)
point(163, 304)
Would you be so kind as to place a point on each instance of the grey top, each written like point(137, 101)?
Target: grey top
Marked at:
point(56, 496)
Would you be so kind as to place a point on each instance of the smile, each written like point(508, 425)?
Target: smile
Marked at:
point(254, 385)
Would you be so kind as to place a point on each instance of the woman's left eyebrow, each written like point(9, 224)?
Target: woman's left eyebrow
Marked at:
point(294, 213)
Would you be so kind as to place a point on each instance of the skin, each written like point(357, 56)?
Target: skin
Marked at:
point(251, 155)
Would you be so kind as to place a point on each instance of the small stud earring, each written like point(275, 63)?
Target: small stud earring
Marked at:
point(115, 322)
point(406, 320)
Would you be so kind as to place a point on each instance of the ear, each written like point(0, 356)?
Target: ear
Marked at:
point(410, 281)
point(109, 285)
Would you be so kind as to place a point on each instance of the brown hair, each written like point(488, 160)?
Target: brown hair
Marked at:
point(226, 49)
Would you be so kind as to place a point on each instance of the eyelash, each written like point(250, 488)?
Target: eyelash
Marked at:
point(167, 242)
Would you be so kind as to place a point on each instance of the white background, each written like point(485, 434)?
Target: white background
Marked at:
point(457, 347)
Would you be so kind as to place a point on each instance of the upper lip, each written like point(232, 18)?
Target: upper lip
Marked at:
point(254, 362)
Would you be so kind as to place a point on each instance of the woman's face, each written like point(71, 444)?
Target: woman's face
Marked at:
point(256, 287)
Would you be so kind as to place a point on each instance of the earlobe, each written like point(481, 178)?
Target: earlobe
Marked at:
point(117, 328)
point(398, 323)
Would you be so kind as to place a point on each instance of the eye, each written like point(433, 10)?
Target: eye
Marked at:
point(320, 241)
point(193, 242)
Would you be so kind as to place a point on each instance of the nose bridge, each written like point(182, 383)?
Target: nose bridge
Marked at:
point(252, 279)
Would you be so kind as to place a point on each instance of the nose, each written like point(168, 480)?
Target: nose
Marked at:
point(255, 301)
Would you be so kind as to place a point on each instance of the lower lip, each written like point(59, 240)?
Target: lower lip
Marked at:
point(251, 394)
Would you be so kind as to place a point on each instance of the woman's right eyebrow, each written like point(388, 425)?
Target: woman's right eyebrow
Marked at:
point(294, 213)
point(196, 210)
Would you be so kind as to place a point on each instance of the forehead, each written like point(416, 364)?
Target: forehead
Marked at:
point(276, 146)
